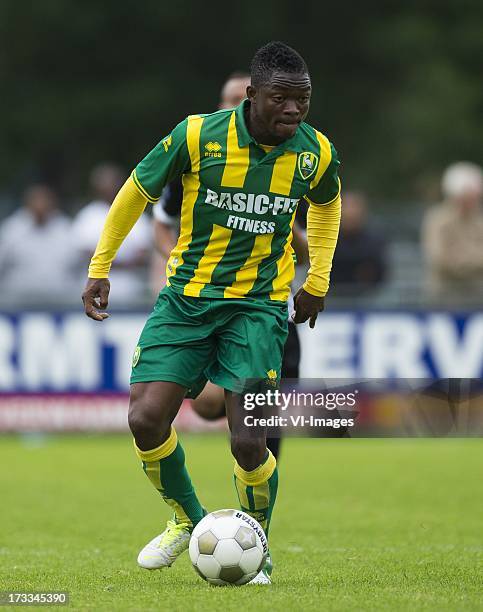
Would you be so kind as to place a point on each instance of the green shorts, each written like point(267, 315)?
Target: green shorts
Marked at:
point(189, 340)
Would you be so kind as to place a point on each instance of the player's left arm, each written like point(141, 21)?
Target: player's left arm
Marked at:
point(323, 220)
point(299, 244)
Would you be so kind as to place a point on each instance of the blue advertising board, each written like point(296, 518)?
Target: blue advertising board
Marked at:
point(67, 352)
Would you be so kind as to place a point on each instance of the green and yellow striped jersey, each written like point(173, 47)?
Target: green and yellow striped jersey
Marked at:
point(239, 202)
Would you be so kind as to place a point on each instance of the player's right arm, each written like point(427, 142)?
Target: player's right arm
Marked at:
point(164, 238)
point(168, 161)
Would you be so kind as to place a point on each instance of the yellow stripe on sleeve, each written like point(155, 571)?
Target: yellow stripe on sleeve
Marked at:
point(237, 158)
point(326, 203)
point(325, 155)
point(283, 171)
point(214, 251)
point(141, 189)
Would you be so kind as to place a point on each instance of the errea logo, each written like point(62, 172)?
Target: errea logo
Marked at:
point(212, 149)
point(167, 142)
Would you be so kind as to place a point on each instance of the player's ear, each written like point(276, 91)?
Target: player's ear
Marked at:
point(251, 93)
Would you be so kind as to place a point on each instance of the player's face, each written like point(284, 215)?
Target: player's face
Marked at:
point(282, 104)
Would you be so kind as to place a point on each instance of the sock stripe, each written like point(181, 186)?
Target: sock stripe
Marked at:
point(180, 514)
point(250, 497)
point(152, 469)
point(241, 492)
point(273, 488)
point(261, 496)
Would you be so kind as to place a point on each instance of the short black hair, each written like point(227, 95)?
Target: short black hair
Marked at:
point(273, 57)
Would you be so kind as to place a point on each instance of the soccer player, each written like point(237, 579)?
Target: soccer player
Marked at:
point(210, 403)
point(223, 312)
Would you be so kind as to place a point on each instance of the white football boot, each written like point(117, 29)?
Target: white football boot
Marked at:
point(263, 576)
point(164, 549)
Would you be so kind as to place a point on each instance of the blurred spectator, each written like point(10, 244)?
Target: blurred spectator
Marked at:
point(360, 257)
point(128, 275)
point(452, 237)
point(36, 258)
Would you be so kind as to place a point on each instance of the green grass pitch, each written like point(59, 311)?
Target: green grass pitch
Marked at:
point(359, 525)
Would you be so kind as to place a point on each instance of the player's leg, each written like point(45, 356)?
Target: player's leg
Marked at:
point(153, 407)
point(210, 403)
point(251, 338)
point(273, 445)
point(168, 363)
point(255, 472)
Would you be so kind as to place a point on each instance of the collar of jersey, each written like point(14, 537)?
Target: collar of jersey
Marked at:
point(245, 138)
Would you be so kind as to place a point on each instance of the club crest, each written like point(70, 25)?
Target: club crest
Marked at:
point(307, 164)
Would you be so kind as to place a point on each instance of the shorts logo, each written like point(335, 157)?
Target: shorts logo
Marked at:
point(136, 356)
point(307, 164)
point(213, 149)
point(272, 377)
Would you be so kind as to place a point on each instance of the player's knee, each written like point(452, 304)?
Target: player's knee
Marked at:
point(146, 419)
point(138, 421)
point(248, 452)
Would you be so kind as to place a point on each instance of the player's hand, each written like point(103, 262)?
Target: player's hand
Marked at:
point(307, 306)
point(95, 297)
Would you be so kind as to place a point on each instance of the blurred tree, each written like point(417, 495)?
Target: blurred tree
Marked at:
point(397, 86)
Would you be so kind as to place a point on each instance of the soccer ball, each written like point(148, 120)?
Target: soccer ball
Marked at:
point(228, 547)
